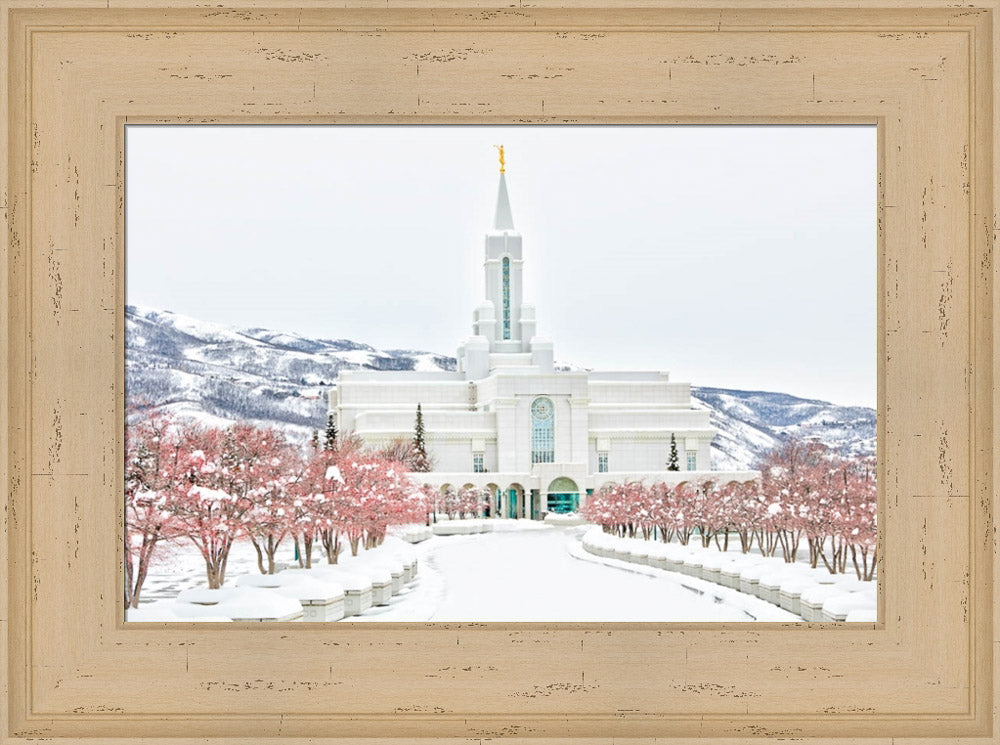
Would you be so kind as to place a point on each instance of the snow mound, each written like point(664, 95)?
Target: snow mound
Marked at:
point(238, 603)
point(570, 518)
point(290, 585)
point(165, 611)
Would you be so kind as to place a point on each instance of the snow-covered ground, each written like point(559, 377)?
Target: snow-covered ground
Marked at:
point(542, 574)
point(521, 571)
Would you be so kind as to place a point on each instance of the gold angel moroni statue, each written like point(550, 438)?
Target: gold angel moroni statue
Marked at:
point(500, 148)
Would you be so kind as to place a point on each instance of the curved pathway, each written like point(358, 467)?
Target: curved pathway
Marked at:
point(534, 574)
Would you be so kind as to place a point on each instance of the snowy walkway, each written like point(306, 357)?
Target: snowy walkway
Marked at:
point(541, 574)
point(523, 571)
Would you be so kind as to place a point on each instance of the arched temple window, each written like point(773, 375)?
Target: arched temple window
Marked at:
point(563, 496)
point(543, 437)
point(506, 297)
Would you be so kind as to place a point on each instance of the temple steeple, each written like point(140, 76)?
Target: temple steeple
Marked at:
point(503, 219)
point(503, 325)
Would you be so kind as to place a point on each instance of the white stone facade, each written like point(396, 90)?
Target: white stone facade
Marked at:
point(537, 438)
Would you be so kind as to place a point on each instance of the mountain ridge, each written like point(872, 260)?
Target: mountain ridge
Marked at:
point(219, 374)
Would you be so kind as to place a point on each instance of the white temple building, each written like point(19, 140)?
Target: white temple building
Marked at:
point(537, 438)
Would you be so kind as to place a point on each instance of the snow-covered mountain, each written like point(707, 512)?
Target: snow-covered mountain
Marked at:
point(220, 374)
point(751, 423)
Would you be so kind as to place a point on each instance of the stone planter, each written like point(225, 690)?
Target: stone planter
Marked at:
point(750, 578)
point(658, 556)
point(692, 565)
point(621, 553)
point(571, 518)
point(460, 527)
point(674, 555)
point(321, 600)
point(638, 556)
point(812, 599)
point(837, 608)
point(396, 573)
point(770, 585)
point(242, 604)
point(416, 534)
point(357, 587)
point(380, 578)
point(711, 567)
point(323, 609)
point(790, 593)
point(730, 574)
point(409, 568)
point(357, 600)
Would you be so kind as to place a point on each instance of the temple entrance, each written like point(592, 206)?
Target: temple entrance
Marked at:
point(494, 499)
point(515, 501)
point(563, 496)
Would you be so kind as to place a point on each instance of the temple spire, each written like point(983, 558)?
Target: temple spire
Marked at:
point(503, 220)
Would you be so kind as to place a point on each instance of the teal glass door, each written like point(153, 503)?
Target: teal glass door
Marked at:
point(513, 504)
point(563, 502)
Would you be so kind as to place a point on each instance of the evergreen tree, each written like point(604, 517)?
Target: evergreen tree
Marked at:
point(420, 460)
point(330, 439)
point(672, 464)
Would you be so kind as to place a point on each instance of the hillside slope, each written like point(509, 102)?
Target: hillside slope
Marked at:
point(220, 374)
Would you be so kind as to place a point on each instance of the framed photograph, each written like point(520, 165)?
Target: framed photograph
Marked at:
point(615, 478)
point(122, 124)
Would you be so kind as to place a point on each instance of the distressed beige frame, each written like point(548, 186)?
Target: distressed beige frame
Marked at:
point(76, 71)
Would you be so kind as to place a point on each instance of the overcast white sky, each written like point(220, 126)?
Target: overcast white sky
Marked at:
point(740, 257)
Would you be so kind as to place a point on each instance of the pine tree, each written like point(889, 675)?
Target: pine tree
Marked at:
point(672, 464)
point(420, 460)
point(330, 438)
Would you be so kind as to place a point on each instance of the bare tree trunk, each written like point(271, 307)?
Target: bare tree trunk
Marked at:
point(260, 555)
point(331, 542)
point(784, 544)
point(145, 556)
point(128, 575)
point(866, 570)
point(213, 575)
point(308, 540)
point(272, 548)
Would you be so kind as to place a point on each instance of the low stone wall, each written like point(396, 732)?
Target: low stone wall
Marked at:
point(461, 527)
point(813, 594)
point(324, 592)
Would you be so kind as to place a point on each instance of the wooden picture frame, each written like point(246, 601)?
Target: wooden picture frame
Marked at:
point(76, 72)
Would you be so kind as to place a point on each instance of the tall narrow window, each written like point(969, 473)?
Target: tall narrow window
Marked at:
point(506, 297)
point(543, 439)
point(477, 463)
point(602, 462)
point(692, 461)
